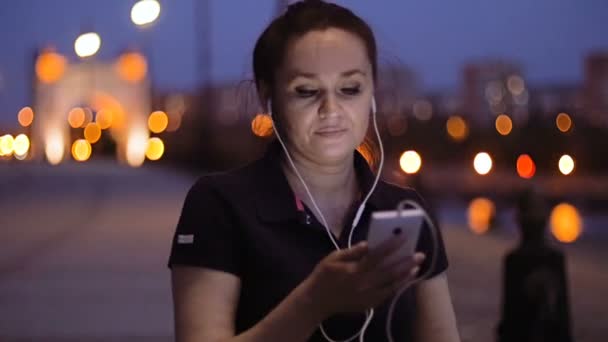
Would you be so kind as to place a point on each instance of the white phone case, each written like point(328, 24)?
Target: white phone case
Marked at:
point(385, 224)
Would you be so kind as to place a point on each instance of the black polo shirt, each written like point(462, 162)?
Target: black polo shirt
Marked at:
point(249, 223)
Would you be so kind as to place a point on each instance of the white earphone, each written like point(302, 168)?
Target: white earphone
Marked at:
point(369, 313)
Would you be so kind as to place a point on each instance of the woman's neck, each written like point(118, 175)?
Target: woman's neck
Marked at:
point(336, 182)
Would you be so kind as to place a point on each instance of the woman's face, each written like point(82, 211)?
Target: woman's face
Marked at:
point(323, 94)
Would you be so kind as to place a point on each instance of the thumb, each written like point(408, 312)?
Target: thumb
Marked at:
point(354, 253)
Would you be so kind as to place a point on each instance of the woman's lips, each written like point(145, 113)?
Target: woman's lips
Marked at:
point(331, 132)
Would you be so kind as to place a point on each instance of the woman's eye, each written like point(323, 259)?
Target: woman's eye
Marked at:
point(304, 92)
point(351, 90)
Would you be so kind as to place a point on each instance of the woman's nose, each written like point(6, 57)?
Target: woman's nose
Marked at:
point(329, 106)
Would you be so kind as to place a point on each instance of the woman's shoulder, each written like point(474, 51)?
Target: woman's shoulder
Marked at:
point(237, 181)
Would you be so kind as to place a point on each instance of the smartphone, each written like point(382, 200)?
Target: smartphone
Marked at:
point(391, 223)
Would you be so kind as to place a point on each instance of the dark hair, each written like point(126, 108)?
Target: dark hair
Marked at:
point(300, 18)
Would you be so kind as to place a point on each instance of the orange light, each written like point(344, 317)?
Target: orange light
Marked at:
point(104, 118)
point(504, 125)
point(76, 117)
point(132, 67)
point(92, 132)
point(262, 125)
point(457, 128)
point(566, 223)
point(25, 116)
point(480, 214)
point(81, 150)
point(563, 122)
point(158, 121)
point(50, 67)
point(525, 166)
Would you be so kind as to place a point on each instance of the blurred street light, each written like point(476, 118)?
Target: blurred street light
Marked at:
point(92, 132)
point(457, 128)
point(50, 66)
point(480, 214)
point(566, 223)
point(145, 12)
point(76, 117)
point(81, 150)
point(503, 124)
point(155, 149)
point(566, 164)
point(21, 145)
point(410, 162)
point(25, 116)
point(132, 67)
point(525, 166)
point(261, 125)
point(158, 121)
point(87, 44)
point(563, 122)
point(6, 145)
point(482, 163)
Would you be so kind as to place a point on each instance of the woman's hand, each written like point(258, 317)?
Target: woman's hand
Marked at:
point(357, 279)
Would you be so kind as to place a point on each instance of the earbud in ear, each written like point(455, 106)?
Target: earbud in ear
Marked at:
point(269, 107)
point(373, 105)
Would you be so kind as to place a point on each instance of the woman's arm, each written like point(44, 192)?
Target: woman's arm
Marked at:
point(435, 320)
point(205, 303)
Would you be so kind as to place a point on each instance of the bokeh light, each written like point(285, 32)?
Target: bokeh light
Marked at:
point(482, 163)
point(480, 215)
point(566, 223)
point(21, 145)
point(87, 44)
point(526, 168)
point(6, 145)
point(81, 150)
point(410, 162)
point(423, 110)
point(457, 128)
point(76, 117)
point(158, 121)
point(104, 118)
point(50, 67)
point(563, 122)
point(156, 149)
point(516, 85)
point(145, 12)
point(132, 67)
point(25, 116)
point(566, 164)
point(262, 125)
point(503, 124)
point(54, 147)
point(92, 132)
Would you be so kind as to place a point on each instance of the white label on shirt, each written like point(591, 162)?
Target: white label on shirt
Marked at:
point(185, 239)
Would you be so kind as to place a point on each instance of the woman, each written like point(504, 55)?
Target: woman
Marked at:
point(251, 261)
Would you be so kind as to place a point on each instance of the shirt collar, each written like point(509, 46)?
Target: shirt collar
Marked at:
point(275, 198)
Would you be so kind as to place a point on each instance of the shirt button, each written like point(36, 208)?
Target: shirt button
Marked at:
point(307, 219)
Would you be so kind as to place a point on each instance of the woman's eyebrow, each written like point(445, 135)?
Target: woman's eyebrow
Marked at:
point(297, 73)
